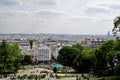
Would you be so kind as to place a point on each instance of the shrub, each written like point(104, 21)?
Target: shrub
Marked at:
point(113, 78)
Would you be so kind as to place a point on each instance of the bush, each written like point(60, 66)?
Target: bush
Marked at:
point(101, 73)
point(93, 78)
point(30, 77)
point(43, 76)
point(113, 78)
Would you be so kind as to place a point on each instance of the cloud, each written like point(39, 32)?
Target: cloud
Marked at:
point(36, 16)
point(7, 2)
point(19, 2)
point(14, 13)
point(6, 15)
point(115, 6)
point(48, 2)
point(50, 13)
point(22, 13)
point(79, 20)
point(42, 2)
point(56, 15)
point(97, 10)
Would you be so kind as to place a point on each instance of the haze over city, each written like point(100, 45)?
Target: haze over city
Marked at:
point(58, 16)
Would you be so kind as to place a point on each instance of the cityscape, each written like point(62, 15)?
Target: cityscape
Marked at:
point(44, 49)
point(46, 46)
point(59, 40)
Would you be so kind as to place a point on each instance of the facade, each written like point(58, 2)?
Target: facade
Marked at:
point(44, 54)
point(96, 42)
point(92, 43)
point(24, 47)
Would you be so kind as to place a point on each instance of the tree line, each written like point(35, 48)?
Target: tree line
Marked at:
point(11, 58)
point(103, 60)
point(100, 59)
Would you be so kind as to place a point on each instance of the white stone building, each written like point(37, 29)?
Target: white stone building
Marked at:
point(44, 54)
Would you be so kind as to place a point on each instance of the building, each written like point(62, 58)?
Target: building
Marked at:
point(92, 43)
point(43, 55)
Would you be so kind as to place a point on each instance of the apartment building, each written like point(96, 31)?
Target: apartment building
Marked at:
point(92, 43)
point(43, 54)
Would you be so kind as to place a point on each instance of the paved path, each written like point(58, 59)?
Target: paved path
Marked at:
point(62, 79)
point(35, 71)
point(67, 79)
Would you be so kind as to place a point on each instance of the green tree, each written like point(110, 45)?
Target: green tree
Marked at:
point(88, 59)
point(67, 55)
point(110, 56)
point(78, 46)
point(116, 45)
point(102, 57)
point(4, 60)
point(10, 57)
point(83, 60)
point(31, 43)
point(100, 62)
point(17, 55)
point(77, 57)
point(27, 60)
point(116, 26)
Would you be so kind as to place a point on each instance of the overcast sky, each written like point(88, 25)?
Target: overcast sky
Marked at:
point(58, 16)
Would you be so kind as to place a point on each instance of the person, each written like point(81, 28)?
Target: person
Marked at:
point(55, 71)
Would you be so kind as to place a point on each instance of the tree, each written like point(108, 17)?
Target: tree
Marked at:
point(100, 62)
point(78, 46)
point(116, 46)
point(10, 57)
point(17, 55)
point(88, 59)
point(31, 43)
point(67, 55)
point(77, 57)
point(4, 60)
point(110, 57)
point(27, 60)
point(83, 60)
point(101, 54)
point(116, 26)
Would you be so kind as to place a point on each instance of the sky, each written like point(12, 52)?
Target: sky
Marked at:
point(58, 16)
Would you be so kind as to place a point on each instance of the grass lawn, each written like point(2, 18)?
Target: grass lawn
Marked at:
point(94, 79)
point(107, 78)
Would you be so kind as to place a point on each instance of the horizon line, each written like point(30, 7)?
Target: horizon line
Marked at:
point(57, 33)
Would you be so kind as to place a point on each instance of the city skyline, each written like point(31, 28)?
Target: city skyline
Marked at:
point(58, 16)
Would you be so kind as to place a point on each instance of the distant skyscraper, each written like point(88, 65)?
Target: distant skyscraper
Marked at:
point(108, 34)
